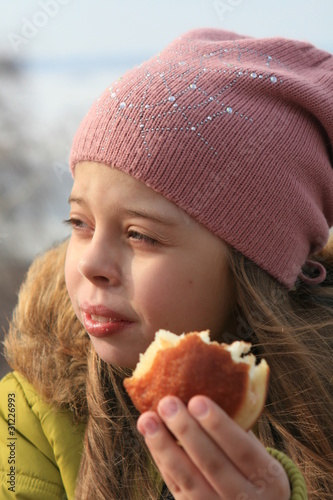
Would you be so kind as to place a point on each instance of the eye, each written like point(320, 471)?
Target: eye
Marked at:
point(76, 223)
point(135, 235)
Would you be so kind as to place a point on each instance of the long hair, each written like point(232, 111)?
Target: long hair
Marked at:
point(116, 463)
point(293, 331)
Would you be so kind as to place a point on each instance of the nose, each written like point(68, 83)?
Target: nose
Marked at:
point(100, 263)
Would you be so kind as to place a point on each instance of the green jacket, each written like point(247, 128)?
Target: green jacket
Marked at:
point(40, 449)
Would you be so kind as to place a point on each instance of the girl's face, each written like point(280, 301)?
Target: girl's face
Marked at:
point(137, 263)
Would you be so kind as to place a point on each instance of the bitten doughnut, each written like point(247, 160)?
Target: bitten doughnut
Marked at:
point(189, 364)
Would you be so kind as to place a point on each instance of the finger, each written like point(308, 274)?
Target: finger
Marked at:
point(220, 472)
point(180, 474)
point(252, 459)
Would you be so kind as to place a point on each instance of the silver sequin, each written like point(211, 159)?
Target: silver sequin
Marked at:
point(211, 106)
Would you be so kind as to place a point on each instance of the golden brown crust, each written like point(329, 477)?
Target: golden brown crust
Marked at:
point(195, 367)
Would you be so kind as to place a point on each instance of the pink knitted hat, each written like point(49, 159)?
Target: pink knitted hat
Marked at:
point(234, 130)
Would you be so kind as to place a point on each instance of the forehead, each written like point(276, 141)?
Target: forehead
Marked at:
point(92, 176)
point(99, 184)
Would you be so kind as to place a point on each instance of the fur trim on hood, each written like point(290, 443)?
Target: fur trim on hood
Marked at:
point(46, 343)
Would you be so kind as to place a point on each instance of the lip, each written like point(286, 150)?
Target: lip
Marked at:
point(100, 321)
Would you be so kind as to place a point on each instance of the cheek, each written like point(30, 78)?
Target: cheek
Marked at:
point(201, 299)
point(176, 296)
point(157, 289)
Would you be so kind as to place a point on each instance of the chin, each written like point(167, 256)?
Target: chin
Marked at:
point(112, 356)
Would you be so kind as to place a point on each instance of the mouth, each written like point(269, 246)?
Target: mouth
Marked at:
point(100, 321)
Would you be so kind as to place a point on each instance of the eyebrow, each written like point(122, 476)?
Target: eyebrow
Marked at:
point(145, 214)
point(142, 214)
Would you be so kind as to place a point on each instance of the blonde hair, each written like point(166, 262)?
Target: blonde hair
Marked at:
point(293, 330)
point(116, 464)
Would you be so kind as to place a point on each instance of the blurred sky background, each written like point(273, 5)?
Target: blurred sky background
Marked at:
point(56, 56)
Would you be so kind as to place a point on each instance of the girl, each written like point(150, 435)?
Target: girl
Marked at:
point(202, 199)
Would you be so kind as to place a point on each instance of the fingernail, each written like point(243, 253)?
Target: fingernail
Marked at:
point(168, 407)
point(199, 408)
point(148, 426)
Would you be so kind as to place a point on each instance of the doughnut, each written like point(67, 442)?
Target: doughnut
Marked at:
point(189, 364)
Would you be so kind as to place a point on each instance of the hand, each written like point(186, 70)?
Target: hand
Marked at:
point(202, 453)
